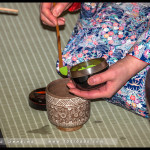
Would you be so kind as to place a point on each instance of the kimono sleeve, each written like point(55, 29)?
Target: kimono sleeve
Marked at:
point(141, 49)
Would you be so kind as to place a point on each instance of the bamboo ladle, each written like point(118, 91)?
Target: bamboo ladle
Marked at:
point(63, 69)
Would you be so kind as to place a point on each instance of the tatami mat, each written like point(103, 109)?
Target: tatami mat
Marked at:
point(28, 54)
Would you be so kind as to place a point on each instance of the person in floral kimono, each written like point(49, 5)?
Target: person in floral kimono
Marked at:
point(108, 30)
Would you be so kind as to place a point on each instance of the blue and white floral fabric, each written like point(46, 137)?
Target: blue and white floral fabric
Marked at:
point(109, 30)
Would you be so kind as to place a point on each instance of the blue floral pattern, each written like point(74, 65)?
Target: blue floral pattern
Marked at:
point(109, 30)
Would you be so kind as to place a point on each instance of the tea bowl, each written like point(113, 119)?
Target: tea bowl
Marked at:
point(81, 72)
point(65, 110)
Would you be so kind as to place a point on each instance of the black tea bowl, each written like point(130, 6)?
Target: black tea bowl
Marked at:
point(82, 71)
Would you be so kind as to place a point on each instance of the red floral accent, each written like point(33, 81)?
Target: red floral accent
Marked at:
point(132, 97)
point(74, 7)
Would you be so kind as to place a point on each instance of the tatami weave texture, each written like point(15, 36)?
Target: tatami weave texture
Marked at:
point(28, 54)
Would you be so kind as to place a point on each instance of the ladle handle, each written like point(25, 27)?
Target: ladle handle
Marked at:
point(59, 45)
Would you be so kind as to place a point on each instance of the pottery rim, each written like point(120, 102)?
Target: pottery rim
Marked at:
point(65, 95)
point(99, 67)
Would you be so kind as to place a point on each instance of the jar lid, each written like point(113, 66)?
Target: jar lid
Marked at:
point(37, 99)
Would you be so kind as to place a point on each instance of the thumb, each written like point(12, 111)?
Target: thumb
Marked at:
point(59, 8)
point(99, 78)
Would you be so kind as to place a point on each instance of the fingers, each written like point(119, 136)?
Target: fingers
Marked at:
point(92, 94)
point(105, 90)
point(49, 13)
point(59, 8)
point(46, 15)
point(101, 77)
point(71, 85)
point(53, 22)
point(101, 92)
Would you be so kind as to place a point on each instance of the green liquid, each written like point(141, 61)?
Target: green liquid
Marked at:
point(86, 67)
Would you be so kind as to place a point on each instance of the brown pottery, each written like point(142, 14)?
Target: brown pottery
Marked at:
point(66, 111)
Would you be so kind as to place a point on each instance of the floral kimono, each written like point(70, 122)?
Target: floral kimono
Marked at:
point(109, 30)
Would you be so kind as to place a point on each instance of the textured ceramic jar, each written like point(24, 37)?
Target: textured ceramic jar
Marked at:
point(66, 111)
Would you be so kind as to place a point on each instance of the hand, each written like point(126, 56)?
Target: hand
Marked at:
point(115, 77)
point(49, 13)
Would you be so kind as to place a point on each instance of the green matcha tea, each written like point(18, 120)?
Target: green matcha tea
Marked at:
point(90, 66)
